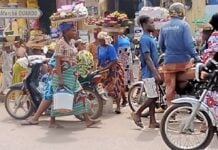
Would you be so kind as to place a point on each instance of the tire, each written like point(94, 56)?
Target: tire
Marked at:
point(98, 112)
point(203, 144)
point(142, 99)
point(130, 93)
point(30, 108)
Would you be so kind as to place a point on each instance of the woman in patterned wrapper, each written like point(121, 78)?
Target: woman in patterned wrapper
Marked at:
point(123, 47)
point(107, 59)
point(64, 74)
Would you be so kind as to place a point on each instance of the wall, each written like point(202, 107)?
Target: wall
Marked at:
point(196, 12)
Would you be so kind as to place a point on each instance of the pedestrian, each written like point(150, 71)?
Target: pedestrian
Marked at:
point(212, 42)
point(19, 69)
point(84, 58)
point(177, 43)
point(125, 57)
point(7, 56)
point(107, 59)
point(64, 74)
point(149, 71)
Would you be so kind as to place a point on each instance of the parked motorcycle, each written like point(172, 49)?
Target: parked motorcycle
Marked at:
point(190, 123)
point(23, 99)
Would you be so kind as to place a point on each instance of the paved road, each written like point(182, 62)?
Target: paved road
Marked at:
point(116, 132)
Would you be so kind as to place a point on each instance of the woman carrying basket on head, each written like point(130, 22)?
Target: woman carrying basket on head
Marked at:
point(64, 74)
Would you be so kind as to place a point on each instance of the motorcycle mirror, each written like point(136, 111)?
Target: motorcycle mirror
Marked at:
point(45, 49)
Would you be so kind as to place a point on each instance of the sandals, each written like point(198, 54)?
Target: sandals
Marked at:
point(29, 122)
point(92, 123)
point(137, 120)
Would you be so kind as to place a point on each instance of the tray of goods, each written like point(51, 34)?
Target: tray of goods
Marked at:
point(114, 20)
point(70, 13)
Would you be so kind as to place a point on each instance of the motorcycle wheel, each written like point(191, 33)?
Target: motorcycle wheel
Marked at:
point(178, 140)
point(95, 105)
point(135, 99)
point(21, 103)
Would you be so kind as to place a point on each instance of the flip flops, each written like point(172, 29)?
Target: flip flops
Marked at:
point(93, 123)
point(29, 122)
point(137, 120)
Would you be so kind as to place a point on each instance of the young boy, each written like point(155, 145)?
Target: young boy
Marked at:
point(149, 73)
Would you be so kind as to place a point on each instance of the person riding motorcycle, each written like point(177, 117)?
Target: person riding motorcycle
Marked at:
point(177, 43)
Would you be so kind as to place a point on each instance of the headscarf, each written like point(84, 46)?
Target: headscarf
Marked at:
point(65, 26)
point(177, 10)
point(105, 36)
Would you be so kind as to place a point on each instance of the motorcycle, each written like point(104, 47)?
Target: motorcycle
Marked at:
point(92, 85)
point(23, 99)
point(137, 94)
point(190, 123)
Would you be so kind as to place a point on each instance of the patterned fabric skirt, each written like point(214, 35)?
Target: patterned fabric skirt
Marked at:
point(80, 105)
point(125, 57)
point(114, 81)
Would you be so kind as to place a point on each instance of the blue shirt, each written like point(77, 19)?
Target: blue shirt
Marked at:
point(106, 55)
point(147, 44)
point(176, 41)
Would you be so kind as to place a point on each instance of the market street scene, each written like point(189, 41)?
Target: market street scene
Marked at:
point(109, 74)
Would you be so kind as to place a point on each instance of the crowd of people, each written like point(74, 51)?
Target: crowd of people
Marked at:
point(115, 55)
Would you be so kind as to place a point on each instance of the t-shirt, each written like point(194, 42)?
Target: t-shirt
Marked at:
point(176, 42)
point(106, 55)
point(147, 44)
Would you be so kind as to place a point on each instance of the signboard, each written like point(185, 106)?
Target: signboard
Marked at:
point(212, 2)
point(20, 13)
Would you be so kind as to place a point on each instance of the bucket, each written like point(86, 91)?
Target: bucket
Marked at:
point(63, 101)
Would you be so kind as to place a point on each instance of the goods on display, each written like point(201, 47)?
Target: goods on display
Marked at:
point(70, 12)
point(115, 19)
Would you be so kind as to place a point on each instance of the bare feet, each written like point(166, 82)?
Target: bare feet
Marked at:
point(55, 125)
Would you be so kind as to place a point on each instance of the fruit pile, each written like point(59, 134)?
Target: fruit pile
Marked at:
point(115, 19)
